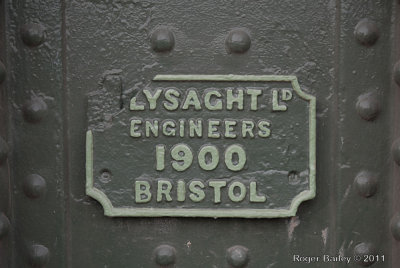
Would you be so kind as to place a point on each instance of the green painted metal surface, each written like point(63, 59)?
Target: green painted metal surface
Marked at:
point(56, 54)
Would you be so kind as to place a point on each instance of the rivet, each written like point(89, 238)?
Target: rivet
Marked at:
point(396, 73)
point(363, 249)
point(38, 256)
point(366, 32)
point(165, 255)
point(368, 106)
point(34, 186)
point(4, 225)
point(162, 40)
point(3, 150)
point(237, 41)
point(366, 183)
point(237, 256)
point(396, 151)
point(32, 34)
point(395, 226)
point(34, 110)
point(2, 72)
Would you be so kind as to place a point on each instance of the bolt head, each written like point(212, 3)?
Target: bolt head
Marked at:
point(34, 186)
point(32, 34)
point(368, 106)
point(366, 183)
point(38, 256)
point(165, 255)
point(237, 41)
point(237, 256)
point(366, 32)
point(34, 110)
point(162, 40)
point(363, 249)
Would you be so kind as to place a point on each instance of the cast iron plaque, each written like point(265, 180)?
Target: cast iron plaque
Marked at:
point(202, 146)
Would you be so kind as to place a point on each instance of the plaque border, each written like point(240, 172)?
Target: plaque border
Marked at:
point(111, 211)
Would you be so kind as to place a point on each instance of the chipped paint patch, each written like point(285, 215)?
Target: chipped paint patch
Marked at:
point(324, 235)
point(294, 222)
point(341, 250)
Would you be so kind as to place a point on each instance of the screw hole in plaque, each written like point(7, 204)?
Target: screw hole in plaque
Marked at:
point(105, 175)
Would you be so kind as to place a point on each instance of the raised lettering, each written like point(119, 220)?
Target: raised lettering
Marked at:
point(172, 103)
point(217, 106)
point(183, 157)
point(231, 99)
point(275, 102)
point(241, 191)
point(195, 127)
point(263, 129)
point(168, 128)
point(197, 194)
point(192, 99)
point(237, 150)
point(229, 124)
point(134, 106)
point(142, 192)
point(152, 98)
point(164, 189)
point(160, 157)
point(254, 197)
point(213, 159)
point(181, 191)
point(217, 185)
point(151, 127)
point(247, 128)
point(254, 93)
point(212, 130)
point(134, 123)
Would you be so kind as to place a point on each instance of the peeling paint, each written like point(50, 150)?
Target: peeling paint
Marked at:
point(324, 235)
point(294, 222)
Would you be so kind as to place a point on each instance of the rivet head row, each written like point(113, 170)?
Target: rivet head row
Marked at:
point(38, 256)
point(162, 40)
point(4, 225)
point(366, 32)
point(2, 72)
point(34, 186)
point(366, 183)
point(368, 106)
point(165, 255)
point(396, 151)
point(3, 150)
point(237, 256)
point(363, 249)
point(34, 110)
point(32, 34)
point(238, 41)
point(395, 226)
